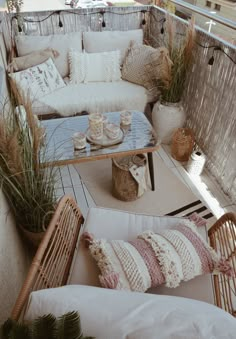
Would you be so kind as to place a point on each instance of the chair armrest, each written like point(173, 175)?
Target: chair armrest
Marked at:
point(51, 264)
point(222, 237)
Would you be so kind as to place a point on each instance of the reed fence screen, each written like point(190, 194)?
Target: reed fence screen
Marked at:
point(209, 97)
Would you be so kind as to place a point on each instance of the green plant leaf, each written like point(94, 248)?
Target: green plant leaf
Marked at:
point(13, 330)
point(44, 327)
point(69, 326)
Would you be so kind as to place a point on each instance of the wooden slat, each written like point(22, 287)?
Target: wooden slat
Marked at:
point(223, 240)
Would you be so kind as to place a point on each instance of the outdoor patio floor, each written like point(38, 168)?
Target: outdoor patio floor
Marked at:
point(204, 187)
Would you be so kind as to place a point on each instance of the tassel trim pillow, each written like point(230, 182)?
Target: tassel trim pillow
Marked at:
point(167, 257)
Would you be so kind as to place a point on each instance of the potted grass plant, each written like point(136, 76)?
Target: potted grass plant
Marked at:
point(29, 189)
point(168, 113)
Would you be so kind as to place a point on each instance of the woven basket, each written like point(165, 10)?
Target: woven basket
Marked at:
point(124, 186)
point(182, 144)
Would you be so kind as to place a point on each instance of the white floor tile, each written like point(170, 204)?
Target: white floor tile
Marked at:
point(90, 201)
point(65, 175)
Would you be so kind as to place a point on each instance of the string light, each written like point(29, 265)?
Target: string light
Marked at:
point(162, 30)
point(103, 20)
point(144, 17)
point(60, 24)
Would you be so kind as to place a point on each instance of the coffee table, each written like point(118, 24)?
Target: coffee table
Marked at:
point(139, 137)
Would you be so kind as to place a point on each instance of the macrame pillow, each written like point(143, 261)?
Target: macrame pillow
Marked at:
point(167, 257)
point(94, 67)
point(147, 66)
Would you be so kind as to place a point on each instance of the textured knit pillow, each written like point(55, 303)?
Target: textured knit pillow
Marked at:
point(32, 59)
point(146, 66)
point(152, 259)
point(39, 80)
point(92, 67)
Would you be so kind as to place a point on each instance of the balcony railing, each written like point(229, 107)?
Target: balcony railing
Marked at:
point(209, 98)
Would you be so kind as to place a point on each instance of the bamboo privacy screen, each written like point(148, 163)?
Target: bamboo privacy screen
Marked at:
point(209, 96)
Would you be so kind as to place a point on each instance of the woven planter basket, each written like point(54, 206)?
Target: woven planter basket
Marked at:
point(182, 144)
point(124, 186)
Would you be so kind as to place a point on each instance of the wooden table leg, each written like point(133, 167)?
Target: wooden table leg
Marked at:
point(151, 170)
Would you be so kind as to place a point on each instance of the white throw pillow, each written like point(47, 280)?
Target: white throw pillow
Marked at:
point(39, 80)
point(111, 40)
point(26, 44)
point(94, 67)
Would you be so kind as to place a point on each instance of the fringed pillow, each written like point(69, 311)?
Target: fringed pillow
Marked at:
point(167, 257)
point(147, 66)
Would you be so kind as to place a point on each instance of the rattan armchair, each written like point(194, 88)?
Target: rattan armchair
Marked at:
point(222, 237)
point(52, 262)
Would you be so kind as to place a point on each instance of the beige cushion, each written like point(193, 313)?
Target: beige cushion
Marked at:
point(91, 67)
point(145, 65)
point(26, 44)
point(32, 59)
point(114, 224)
point(39, 80)
point(111, 41)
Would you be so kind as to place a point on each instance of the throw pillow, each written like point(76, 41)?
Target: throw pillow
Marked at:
point(32, 59)
point(26, 44)
point(92, 67)
point(147, 66)
point(39, 80)
point(152, 259)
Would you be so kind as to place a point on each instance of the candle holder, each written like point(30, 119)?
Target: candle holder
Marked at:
point(96, 125)
point(79, 140)
point(182, 144)
point(126, 117)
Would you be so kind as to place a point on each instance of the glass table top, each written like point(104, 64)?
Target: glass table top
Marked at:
point(139, 136)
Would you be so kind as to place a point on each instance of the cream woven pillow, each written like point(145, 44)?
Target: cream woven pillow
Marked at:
point(94, 67)
point(145, 66)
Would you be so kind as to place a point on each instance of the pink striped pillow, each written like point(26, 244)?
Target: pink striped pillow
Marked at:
point(152, 259)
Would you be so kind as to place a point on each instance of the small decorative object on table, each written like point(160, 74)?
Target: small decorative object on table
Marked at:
point(182, 144)
point(112, 131)
point(79, 140)
point(196, 163)
point(96, 125)
point(126, 117)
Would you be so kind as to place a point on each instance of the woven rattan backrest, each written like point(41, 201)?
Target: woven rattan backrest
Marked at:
point(223, 239)
point(51, 264)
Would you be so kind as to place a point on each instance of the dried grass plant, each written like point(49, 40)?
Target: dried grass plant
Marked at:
point(29, 189)
point(181, 53)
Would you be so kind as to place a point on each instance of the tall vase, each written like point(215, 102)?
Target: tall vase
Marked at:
point(166, 118)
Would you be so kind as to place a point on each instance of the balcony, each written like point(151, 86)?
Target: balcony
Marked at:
point(209, 97)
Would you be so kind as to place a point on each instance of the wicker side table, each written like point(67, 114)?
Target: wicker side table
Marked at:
point(124, 186)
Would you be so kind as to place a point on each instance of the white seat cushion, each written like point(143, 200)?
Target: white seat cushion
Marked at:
point(98, 97)
point(114, 314)
point(112, 224)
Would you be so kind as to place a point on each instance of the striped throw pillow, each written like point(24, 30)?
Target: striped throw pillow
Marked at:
point(167, 257)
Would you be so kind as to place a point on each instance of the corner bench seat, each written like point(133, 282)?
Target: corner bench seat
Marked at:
point(93, 97)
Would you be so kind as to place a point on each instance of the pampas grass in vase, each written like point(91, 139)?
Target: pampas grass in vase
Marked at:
point(168, 114)
point(29, 189)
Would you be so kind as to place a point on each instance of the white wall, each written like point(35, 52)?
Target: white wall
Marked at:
point(14, 261)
